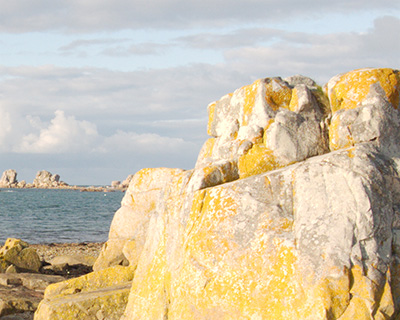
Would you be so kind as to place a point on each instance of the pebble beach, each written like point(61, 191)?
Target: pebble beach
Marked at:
point(49, 251)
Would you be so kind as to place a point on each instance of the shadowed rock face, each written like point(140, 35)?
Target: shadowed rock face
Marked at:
point(291, 212)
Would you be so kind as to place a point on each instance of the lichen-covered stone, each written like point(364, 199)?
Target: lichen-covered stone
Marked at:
point(264, 126)
point(291, 212)
point(362, 103)
point(18, 253)
point(102, 293)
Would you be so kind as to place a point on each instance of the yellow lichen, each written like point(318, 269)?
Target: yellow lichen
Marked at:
point(277, 94)
point(353, 87)
point(250, 94)
point(211, 114)
point(257, 160)
point(336, 138)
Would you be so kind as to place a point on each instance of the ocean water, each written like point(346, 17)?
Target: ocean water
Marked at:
point(46, 216)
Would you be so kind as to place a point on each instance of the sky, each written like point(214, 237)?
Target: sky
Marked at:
point(97, 90)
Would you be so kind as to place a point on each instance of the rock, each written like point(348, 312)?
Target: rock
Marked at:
point(9, 179)
point(125, 184)
point(102, 293)
point(70, 265)
point(131, 222)
point(29, 280)
point(115, 184)
point(72, 260)
point(21, 293)
point(22, 184)
point(19, 316)
point(17, 253)
point(122, 185)
point(45, 179)
point(291, 212)
point(18, 301)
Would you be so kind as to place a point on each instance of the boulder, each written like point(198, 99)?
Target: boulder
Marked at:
point(17, 253)
point(98, 295)
point(9, 179)
point(291, 212)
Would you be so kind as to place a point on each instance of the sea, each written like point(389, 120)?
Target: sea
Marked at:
point(43, 216)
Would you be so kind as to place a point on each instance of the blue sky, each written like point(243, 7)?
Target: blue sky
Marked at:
point(96, 90)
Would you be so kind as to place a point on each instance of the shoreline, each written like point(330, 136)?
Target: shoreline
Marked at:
point(72, 188)
point(48, 251)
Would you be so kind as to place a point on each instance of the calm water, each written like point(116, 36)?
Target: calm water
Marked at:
point(44, 216)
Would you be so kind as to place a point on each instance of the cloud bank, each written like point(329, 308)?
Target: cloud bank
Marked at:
point(96, 90)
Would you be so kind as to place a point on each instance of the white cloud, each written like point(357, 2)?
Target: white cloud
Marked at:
point(321, 56)
point(63, 134)
point(145, 144)
point(91, 15)
point(5, 127)
point(133, 99)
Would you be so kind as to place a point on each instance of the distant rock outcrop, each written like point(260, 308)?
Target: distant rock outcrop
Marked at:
point(9, 179)
point(291, 212)
point(122, 185)
point(45, 179)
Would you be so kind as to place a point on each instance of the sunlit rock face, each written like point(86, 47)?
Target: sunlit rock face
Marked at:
point(291, 212)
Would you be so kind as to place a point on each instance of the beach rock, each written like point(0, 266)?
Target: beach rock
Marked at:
point(98, 295)
point(291, 212)
point(9, 179)
point(70, 265)
point(18, 301)
point(20, 294)
point(17, 253)
point(73, 260)
point(30, 281)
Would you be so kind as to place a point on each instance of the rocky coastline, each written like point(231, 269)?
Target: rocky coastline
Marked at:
point(22, 290)
point(46, 180)
point(292, 211)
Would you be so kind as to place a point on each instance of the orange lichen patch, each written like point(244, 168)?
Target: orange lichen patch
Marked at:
point(277, 93)
point(277, 224)
point(336, 138)
point(211, 114)
point(350, 152)
point(250, 95)
point(222, 279)
point(257, 160)
point(363, 293)
point(334, 294)
point(294, 101)
point(271, 92)
point(353, 87)
point(148, 294)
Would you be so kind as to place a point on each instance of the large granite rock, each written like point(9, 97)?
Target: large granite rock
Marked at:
point(9, 179)
point(291, 212)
